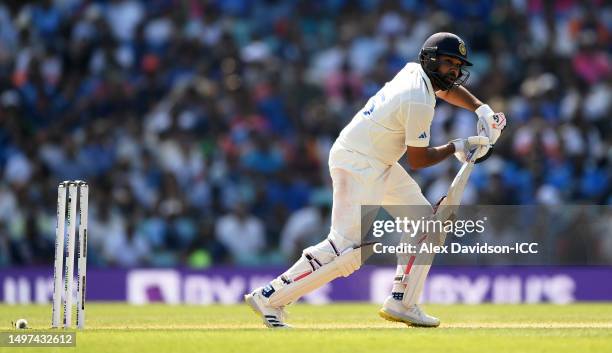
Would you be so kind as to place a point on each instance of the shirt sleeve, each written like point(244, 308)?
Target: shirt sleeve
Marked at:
point(417, 119)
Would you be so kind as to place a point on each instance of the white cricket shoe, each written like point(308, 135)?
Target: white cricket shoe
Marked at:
point(394, 310)
point(272, 317)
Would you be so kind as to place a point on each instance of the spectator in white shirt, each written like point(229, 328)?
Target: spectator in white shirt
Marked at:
point(242, 234)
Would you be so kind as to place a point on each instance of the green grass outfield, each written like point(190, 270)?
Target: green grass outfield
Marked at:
point(329, 328)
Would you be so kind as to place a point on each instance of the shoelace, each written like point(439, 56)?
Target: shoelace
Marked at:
point(416, 309)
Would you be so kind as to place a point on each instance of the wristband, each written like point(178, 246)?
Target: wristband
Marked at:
point(484, 111)
point(457, 144)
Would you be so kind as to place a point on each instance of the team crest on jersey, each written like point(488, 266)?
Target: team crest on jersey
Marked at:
point(462, 48)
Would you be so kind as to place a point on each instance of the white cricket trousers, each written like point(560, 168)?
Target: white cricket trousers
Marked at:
point(357, 180)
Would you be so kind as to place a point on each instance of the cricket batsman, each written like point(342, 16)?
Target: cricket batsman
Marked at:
point(364, 168)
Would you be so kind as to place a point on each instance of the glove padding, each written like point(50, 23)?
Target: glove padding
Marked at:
point(490, 124)
point(471, 148)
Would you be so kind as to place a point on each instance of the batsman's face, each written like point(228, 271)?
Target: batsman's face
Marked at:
point(450, 68)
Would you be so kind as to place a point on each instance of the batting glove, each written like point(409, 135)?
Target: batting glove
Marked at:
point(490, 124)
point(466, 148)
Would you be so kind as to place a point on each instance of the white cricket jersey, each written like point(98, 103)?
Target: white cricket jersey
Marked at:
point(399, 115)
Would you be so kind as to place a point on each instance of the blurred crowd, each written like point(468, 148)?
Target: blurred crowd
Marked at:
point(203, 127)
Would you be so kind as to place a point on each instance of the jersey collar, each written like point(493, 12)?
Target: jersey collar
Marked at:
point(428, 82)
